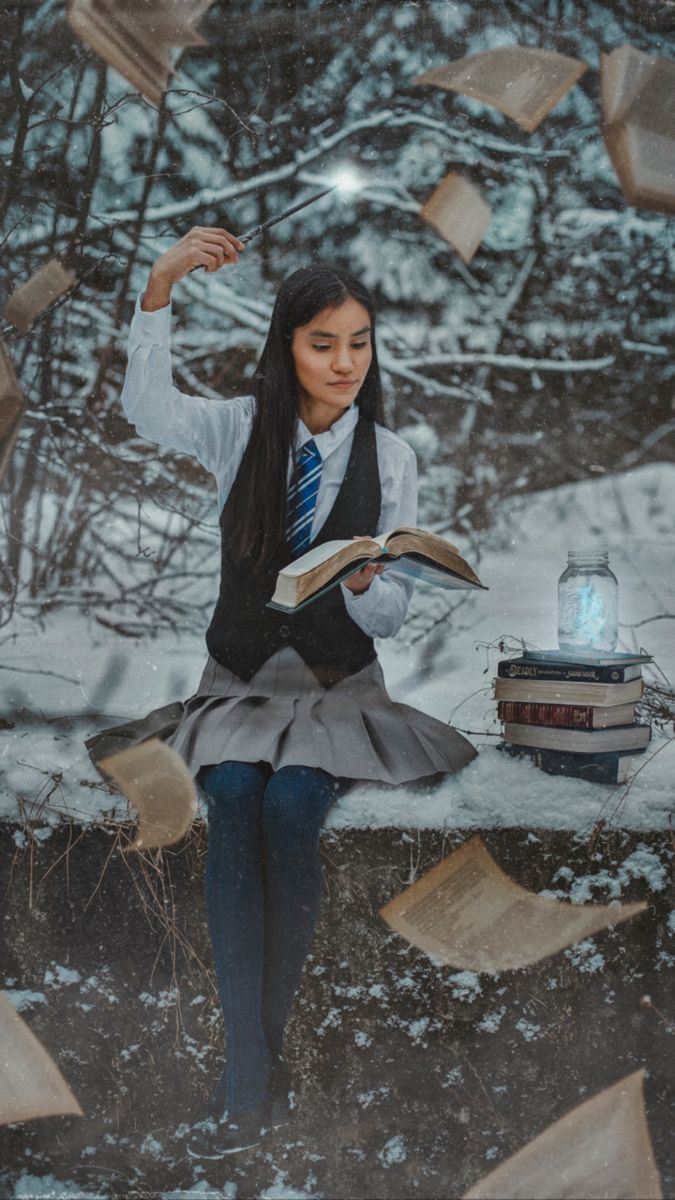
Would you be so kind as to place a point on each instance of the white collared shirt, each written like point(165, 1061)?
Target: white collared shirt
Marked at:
point(216, 432)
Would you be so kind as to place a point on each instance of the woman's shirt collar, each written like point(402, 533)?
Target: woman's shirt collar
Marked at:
point(329, 441)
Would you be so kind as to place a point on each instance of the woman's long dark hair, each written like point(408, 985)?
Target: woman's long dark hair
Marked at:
point(258, 497)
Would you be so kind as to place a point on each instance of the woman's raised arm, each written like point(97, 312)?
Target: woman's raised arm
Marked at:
point(214, 431)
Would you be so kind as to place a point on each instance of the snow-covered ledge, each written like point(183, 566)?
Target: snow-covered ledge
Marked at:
point(61, 674)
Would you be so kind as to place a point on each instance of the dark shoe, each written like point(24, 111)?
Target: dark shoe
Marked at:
point(214, 1139)
point(282, 1097)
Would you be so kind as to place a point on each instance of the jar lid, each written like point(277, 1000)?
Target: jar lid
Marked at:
point(588, 558)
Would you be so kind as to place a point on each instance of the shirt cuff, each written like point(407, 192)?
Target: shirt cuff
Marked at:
point(151, 328)
point(363, 603)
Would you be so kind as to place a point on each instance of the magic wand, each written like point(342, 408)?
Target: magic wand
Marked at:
point(345, 183)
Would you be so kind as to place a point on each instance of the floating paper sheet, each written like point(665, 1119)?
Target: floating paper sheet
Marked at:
point(136, 36)
point(12, 407)
point(157, 782)
point(469, 913)
point(459, 213)
point(41, 290)
point(600, 1151)
point(523, 82)
point(638, 104)
point(31, 1084)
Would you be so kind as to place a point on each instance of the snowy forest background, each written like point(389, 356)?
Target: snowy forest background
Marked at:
point(536, 386)
point(545, 361)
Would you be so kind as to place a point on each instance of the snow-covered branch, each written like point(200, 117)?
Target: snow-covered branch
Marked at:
point(512, 362)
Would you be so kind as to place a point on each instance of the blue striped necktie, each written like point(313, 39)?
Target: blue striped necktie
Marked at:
point(302, 495)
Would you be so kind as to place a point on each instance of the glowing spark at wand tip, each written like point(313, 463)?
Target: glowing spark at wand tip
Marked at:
point(347, 181)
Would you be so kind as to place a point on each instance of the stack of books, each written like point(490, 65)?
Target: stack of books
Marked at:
point(573, 717)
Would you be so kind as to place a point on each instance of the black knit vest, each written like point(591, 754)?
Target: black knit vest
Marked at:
point(244, 633)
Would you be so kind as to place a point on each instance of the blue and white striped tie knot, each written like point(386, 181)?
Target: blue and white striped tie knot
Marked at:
point(302, 494)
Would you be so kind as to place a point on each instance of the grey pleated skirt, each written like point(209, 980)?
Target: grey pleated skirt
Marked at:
point(285, 717)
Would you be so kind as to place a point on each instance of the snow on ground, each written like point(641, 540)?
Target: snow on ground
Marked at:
point(54, 670)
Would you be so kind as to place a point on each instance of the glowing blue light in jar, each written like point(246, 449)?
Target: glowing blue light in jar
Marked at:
point(588, 604)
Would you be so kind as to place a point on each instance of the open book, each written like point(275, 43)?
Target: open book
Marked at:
point(136, 36)
point(414, 552)
point(524, 82)
point(638, 108)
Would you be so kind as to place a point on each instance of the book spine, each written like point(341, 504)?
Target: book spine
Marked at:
point(508, 669)
point(562, 716)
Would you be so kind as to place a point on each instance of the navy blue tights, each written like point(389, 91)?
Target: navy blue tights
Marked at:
point(263, 891)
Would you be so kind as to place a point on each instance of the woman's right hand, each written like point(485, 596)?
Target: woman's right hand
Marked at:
point(202, 246)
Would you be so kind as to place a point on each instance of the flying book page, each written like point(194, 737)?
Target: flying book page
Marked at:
point(12, 408)
point(639, 128)
point(136, 36)
point(31, 1084)
point(469, 913)
point(159, 785)
point(523, 82)
point(601, 1150)
point(34, 296)
point(459, 213)
point(414, 552)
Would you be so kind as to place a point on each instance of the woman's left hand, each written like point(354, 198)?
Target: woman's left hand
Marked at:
point(361, 580)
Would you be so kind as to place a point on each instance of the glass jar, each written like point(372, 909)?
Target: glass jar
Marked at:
point(588, 604)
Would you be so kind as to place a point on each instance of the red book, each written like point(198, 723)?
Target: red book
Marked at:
point(566, 716)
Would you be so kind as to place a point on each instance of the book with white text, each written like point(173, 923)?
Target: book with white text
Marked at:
point(553, 691)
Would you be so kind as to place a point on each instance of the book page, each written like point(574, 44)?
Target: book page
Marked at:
point(322, 553)
point(167, 23)
point(621, 74)
point(652, 166)
point(651, 106)
point(132, 51)
point(12, 401)
point(469, 913)
point(428, 572)
point(601, 1150)
point(159, 785)
point(433, 539)
point(641, 141)
point(41, 290)
point(12, 408)
point(428, 546)
point(135, 37)
point(458, 212)
point(523, 82)
point(31, 1084)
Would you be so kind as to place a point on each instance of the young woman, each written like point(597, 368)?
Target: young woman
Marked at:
point(288, 709)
